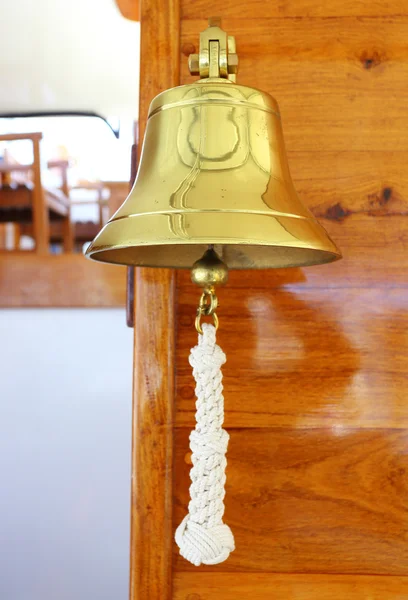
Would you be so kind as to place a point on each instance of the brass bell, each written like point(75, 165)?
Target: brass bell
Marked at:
point(213, 171)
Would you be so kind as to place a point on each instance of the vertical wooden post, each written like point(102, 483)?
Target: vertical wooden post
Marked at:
point(16, 236)
point(68, 232)
point(152, 448)
point(3, 236)
point(41, 224)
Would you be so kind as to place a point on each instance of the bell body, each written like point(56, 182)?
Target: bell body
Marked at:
point(213, 170)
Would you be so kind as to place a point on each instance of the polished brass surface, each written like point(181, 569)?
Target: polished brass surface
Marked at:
point(217, 56)
point(214, 171)
point(209, 270)
point(207, 307)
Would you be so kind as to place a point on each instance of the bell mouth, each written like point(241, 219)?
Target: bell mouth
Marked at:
point(236, 256)
point(242, 240)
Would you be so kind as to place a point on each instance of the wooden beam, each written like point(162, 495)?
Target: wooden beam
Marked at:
point(12, 137)
point(299, 363)
point(329, 76)
point(325, 500)
point(65, 280)
point(152, 454)
point(229, 586)
point(259, 9)
point(41, 222)
point(152, 448)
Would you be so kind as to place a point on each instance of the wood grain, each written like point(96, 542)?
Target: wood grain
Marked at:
point(154, 326)
point(305, 357)
point(332, 77)
point(65, 280)
point(337, 185)
point(268, 586)
point(304, 56)
point(315, 377)
point(329, 500)
point(152, 448)
point(259, 9)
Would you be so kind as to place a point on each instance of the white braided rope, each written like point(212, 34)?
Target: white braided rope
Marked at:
point(202, 536)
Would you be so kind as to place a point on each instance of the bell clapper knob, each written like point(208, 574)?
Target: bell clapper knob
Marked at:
point(207, 272)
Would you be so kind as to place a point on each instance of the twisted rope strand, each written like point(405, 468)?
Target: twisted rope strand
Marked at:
point(202, 536)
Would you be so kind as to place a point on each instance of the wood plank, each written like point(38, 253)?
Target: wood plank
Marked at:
point(41, 219)
point(329, 500)
point(259, 9)
point(374, 254)
point(306, 56)
point(318, 355)
point(153, 398)
point(12, 137)
point(152, 447)
point(303, 357)
point(65, 280)
point(336, 185)
point(266, 586)
point(339, 82)
point(309, 123)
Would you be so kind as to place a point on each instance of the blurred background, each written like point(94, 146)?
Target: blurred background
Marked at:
point(69, 75)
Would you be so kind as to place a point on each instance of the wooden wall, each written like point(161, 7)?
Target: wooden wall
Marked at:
point(55, 281)
point(316, 378)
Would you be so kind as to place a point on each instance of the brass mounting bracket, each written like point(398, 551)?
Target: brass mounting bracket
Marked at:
point(217, 56)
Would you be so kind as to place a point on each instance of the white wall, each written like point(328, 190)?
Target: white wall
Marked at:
point(78, 55)
point(65, 435)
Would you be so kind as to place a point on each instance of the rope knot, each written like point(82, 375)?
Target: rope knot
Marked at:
point(202, 536)
point(207, 355)
point(200, 545)
point(207, 444)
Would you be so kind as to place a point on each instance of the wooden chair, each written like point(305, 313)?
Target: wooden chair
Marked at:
point(84, 231)
point(26, 202)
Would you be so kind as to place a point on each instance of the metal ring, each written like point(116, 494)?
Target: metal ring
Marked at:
point(198, 320)
point(208, 308)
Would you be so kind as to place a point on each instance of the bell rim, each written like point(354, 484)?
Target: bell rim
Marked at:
point(140, 237)
point(104, 254)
